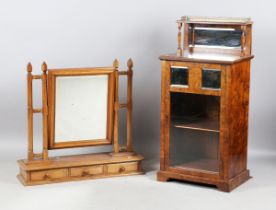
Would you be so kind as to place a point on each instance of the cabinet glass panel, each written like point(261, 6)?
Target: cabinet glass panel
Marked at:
point(194, 140)
point(211, 78)
point(179, 75)
point(217, 37)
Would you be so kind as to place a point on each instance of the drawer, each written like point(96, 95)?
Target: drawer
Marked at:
point(49, 174)
point(122, 168)
point(86, 171)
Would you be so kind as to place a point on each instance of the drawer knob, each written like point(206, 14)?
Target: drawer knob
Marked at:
point(47, 176)
point(85, 173)
point(122, 169)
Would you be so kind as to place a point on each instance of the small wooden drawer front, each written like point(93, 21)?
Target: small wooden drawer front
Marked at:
point(49, 175)
point(122, 168)
point(86, 171)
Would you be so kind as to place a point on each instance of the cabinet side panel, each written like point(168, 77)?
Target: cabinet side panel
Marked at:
point(238, 114)
point(165, 112)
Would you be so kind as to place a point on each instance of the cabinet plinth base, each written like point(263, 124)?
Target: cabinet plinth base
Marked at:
point(222, 185)
point(78, 167)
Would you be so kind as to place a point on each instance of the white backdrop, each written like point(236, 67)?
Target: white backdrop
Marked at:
point(74, 33)
point(82, 33)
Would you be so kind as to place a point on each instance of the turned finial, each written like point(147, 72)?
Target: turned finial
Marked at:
point(115, 64)
point(29, 67)
point(129, 63)
point(44, 67)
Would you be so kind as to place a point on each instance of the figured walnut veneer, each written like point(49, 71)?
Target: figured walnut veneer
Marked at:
point(230, 169)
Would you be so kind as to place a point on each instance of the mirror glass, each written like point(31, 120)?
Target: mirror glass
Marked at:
point(179, 75)
point(220, 37)
point(211, 78)
point(81, 104)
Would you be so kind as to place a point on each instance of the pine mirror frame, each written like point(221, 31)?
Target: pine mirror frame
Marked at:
point(52, 76)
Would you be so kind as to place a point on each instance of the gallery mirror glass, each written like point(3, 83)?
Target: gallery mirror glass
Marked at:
point(219, 37)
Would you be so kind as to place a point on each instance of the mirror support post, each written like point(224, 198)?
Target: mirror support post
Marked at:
point(129, 105)
point(30, 111)
point(44, 110)
point(116, 108)
point(243, 40)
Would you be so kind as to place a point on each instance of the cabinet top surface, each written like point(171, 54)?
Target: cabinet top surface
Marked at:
point(206, 58)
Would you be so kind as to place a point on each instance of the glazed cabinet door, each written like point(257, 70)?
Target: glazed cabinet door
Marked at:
point(190, 118)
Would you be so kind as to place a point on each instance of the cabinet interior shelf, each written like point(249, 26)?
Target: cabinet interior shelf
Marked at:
point(203, 124)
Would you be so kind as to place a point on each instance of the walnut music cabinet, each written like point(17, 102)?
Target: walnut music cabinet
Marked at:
point(204, 105)
point(80, 108)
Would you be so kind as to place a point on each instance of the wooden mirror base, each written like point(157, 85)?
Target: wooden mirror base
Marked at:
point(120, 154)
point(78, 167)
point(222, 185)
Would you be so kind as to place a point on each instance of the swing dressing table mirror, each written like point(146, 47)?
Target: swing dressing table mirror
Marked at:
point(79, 109)
point(204, 103)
